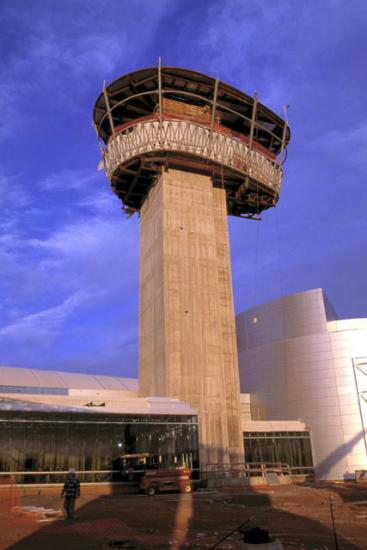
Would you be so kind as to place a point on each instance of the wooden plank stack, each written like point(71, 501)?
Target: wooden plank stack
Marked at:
point(181, 110)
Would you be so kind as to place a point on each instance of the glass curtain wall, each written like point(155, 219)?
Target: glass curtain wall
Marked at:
point(290, 450)
point(49, 442)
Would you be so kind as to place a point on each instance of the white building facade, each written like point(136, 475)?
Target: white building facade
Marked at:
point(299, 361)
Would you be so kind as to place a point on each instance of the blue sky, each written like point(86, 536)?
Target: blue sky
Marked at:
point(69, 258)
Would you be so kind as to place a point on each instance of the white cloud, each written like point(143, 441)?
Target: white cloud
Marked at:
point(66, 51)
point(96, 252)
point(89, 241)
point(97, 196)
point(13, 194)
point(290, 52)
point(69, 179)
point(43, 325)
point(72, 239)
point(352, 140)
point(94, 261)
point(101, 202)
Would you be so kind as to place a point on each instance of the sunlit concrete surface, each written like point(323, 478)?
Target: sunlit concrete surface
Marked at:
point(299, 361)
point(183, 517)
point(187, 328)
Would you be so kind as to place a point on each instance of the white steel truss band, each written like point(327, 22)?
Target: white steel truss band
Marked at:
point(193, 139)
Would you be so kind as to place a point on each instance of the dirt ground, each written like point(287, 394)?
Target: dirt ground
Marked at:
point(298, 515)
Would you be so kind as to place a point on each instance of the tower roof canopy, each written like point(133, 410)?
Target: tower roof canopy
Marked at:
point(136, 94)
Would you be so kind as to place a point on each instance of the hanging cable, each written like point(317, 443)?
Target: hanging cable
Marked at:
point(255, 297)
point(279, 258)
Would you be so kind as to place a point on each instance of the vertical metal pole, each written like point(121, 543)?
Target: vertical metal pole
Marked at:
point(160, 105)
point(284, 136)
point(336, 546)
point(108, 109)
point(251, 139)
point(253, 120)
point(214, 106)
point(216, 85)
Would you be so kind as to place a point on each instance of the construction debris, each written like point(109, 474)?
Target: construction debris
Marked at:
point(36, 512)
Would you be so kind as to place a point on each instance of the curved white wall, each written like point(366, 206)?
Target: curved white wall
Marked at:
point(299, 362)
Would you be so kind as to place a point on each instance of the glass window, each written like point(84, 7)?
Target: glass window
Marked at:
point(288, 449)
point(39, 442)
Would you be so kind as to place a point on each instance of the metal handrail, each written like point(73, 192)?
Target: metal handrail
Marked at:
point(59, 472)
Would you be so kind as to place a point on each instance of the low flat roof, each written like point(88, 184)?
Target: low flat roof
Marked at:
point(37, 378)
point(137, 94)
point(125, 406)
point(273, 426)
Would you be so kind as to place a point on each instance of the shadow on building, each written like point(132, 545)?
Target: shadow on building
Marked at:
point(326, 465)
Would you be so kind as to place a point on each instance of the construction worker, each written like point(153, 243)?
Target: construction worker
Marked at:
point(70, 492)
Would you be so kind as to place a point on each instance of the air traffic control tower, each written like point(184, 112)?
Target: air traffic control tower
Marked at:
point(185, 150)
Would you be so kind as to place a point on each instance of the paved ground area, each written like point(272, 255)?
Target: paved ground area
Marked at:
point(298, 515)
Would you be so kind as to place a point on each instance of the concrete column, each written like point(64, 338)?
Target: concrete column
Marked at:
point(231, 380)
point(187, 328)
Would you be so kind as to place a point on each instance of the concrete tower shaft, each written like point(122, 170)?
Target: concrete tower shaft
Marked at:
point(187, 327)
point(184, 150)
